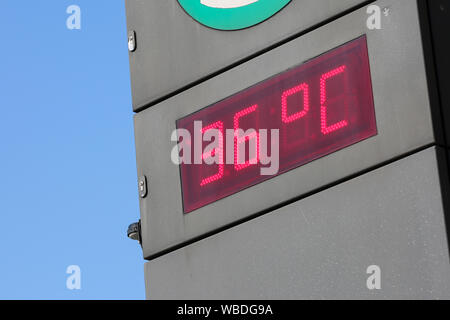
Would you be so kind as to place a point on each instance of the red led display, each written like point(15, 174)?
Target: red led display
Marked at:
point(319, 107)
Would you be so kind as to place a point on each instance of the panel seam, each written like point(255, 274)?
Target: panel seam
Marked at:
point(291, 201)
point(251, 56)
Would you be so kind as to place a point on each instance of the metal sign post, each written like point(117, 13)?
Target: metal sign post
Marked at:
point(315, 228)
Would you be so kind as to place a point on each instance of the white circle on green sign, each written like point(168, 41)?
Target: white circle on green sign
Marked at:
point(232, 14)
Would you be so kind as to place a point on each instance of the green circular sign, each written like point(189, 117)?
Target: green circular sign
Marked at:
point(232, 14)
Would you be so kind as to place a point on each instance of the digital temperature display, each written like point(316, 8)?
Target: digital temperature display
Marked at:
point(318, 107)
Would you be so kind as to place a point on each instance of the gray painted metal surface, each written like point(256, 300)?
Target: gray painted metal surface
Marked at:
point(320, 247)
point(403, 120)
point(173, 50)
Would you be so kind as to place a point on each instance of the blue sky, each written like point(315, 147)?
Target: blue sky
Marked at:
point(67, 160)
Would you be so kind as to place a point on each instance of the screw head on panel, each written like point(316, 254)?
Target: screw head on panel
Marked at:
point(142, 185)
point(132, 41)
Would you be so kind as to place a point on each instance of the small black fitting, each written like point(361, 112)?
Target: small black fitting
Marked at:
point(134, 231)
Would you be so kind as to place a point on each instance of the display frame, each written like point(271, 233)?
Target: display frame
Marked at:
point(352, 54)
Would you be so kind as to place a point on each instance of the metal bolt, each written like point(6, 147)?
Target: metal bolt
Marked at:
point(132, 41)
point(142, 186)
